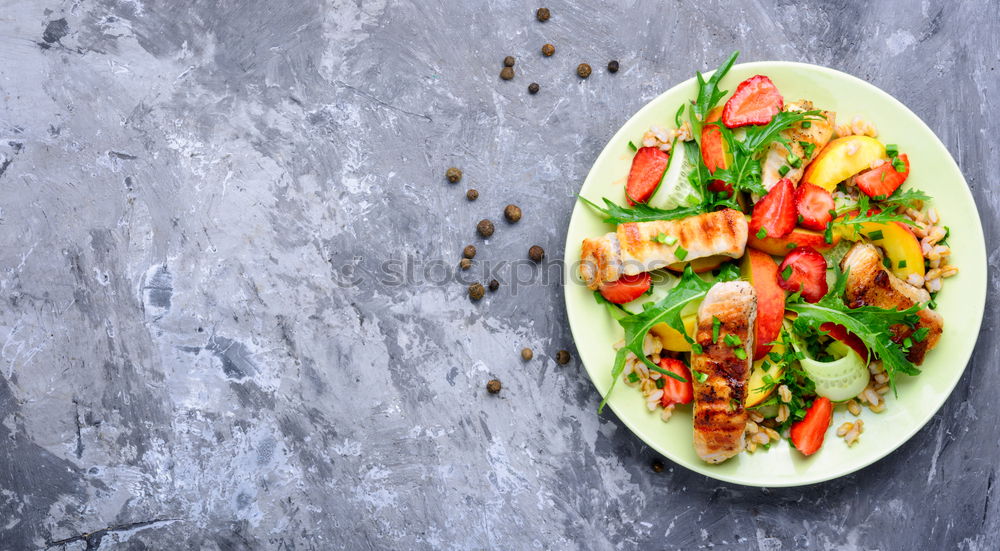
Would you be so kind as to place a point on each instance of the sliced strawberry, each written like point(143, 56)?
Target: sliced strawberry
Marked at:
point(882, 181)
point(807, 434)
point(755, 101)
point(805, 269)
point(674, 391)
point(626, 288)
point(814, 205)
point(775, 212)
point(648, 167)
point(841, 333)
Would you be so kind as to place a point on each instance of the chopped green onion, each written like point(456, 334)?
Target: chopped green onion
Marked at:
point(891, 149)
point(876, 235)
point(670, 240)
point(784, 169)
point(786, 273)
point(632, 146)
point(633, 377)
point(660, 382)
point(766, 365)
point(806, 124)
point(794, 160)
point(898, 165)
point(716, 325)
point(761, 233)
point(740, 353)
point(808, 148)
point(887, 263)
point(696, 348)
point(901, 264)
point(920, 334)
point(881, 177)
point(801, 218)
point(681, 253)
point(907, 342)
point(775, 357)
point(791, 246)
point(699, 376)
point(732, 340)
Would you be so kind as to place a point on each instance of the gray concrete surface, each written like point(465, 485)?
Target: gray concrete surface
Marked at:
point(201, 346)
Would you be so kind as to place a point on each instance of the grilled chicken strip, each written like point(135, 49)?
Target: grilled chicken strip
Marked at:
point(720, 419)
point(870, 284)
point(819, 134)
point(633, 248)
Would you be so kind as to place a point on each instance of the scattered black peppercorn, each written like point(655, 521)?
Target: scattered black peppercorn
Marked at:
point(512, 213)
point(536, 253)
point(494, 285)
point(613, 66)
point(476, 291)
point(657, 466)
point(453, 175)
point(533, 88)
point(543, 14)
point(465, 264)
point(469, 251)
point(562, 357)
point(472, 195)
point(548, 50)
point(485, 228)
point(583, 70)
point(507, 73)
point(508, 61)
point(527, 354)
point(493, 386)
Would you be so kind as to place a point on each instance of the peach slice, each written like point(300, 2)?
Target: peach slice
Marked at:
point(841, 159)
point(762, 272)
point(671, 338)
point(901, 247)
point(757, 389)
point(781, 246)
point(700, 265)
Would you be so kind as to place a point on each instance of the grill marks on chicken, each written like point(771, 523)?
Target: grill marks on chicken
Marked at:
point(870, 284)
point(720, 418)
point(634, 248)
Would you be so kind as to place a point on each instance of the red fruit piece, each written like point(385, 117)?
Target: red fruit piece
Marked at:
point(648, 167)
point(775, 212)
point(805, 269)
point(814, 205)
point(626, 288)
point(807, 434)
point(883, 180)
point(755, 101)
point(715, 150)
point(674, 391)
point(841, 333)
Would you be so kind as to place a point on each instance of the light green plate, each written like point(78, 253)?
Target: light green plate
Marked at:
point(961, 302)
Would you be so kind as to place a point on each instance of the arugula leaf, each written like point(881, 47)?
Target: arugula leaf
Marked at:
point(640, 212)
point(668, 310)
point(615, 310)
point(863, 216)
point(744, 174)
point(906, 198)
point(709, 94)
point(871, 324)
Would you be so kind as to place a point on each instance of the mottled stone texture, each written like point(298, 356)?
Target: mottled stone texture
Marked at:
point(200, 346)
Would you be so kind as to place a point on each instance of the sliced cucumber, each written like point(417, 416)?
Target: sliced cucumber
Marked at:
point(841, 379)
point(675, 188)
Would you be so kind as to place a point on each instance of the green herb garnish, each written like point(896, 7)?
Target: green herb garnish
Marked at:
point(784, 169)
point(761, 233)
point(732, 340)
point(786, 273)
point(716, 325)
point(901, 264)
point(681, 253)
point(876, 235)
point(632, 146)
point(740, 353)
point(806, 124)
point(699, 376)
